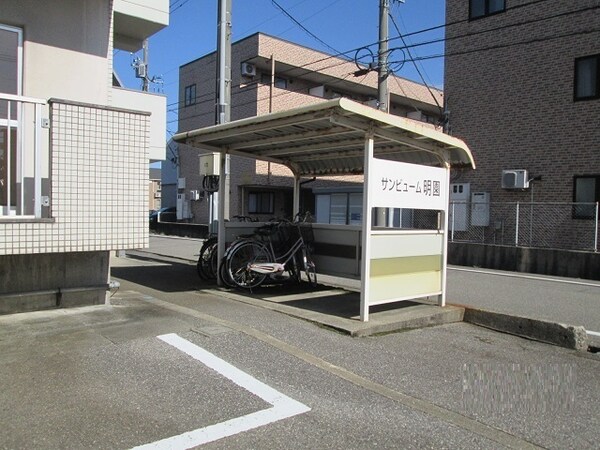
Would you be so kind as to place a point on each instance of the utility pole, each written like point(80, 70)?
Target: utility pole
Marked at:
point(145, 81)
point(223, 116)
point(224, 61)
point(383, 214)
point(382, 57)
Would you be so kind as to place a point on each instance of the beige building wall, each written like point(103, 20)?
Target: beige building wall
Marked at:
point(252, 96)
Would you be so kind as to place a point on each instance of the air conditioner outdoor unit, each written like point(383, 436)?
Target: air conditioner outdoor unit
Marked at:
point(248, 70)
point(515, 179)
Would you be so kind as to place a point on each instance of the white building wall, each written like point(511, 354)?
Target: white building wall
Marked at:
point(99, 185)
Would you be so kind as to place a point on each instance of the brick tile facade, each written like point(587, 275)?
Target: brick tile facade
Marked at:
point(510, 93)
point(251, 96)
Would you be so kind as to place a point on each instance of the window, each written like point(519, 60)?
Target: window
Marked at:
point(280, 83)
point(260, 202)
point(587, 78)
point(190, 95)
point(339, 208)
point(11, 45)
point(482, 8)
point(586, 189)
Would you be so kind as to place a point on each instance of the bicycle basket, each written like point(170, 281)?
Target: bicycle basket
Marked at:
point(306, 231)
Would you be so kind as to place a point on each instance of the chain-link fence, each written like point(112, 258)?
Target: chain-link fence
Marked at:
point(572, 226)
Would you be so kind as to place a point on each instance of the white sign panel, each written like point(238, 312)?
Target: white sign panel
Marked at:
point(401, 185)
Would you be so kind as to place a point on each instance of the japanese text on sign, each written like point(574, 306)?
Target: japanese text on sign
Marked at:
point(402, 185)
point(425, 187)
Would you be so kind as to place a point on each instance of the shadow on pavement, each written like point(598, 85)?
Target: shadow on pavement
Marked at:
point(167, 277)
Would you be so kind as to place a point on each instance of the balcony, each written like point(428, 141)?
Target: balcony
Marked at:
point(136, 20)
point(156, 105)
point(24, 157)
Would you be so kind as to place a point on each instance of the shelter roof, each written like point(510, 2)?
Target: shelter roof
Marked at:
point(329, 138)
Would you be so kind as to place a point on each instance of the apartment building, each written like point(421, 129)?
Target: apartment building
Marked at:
point(154, 190)
point(270, 75)
point(522, 85)
point(74, 148)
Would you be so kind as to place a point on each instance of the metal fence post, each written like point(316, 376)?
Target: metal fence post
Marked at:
point(453, 216)
point(596, 230)
point(517, 226)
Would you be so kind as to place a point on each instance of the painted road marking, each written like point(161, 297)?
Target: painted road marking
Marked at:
point(283, 406)
point(592, 333)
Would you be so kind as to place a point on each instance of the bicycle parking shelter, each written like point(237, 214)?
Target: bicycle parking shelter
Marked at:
point(405, 165)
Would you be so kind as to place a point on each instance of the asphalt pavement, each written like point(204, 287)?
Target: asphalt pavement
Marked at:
point(563, 300)
point(171, 363)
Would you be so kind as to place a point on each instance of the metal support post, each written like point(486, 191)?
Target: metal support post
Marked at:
point(296, 205)
point(365, 272)
point(596, 230)
point(517, 226)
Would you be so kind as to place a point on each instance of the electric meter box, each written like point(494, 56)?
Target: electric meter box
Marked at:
point(460, 195)
point(209, 164)
point(480, 209)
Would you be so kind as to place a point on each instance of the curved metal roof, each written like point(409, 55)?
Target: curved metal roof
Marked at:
point(329, 138)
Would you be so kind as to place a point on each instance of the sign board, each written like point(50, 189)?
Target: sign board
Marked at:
point(395, 184)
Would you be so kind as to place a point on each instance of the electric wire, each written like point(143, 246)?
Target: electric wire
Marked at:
point(302, 26)
point(425, 30)
point(416, 66)
point(466, 35)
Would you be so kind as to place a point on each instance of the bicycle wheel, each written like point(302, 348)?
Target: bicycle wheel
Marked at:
point(309, 267)
point(239, 260)
point(224, 275)
point(206, 266)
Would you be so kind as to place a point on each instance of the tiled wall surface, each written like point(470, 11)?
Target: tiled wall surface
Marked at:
point(99, 196)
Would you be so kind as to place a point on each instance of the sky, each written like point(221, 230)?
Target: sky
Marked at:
point(339, 25)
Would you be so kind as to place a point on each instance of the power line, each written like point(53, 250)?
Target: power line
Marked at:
point(499, 28)
point(495, 47)
point(302, 26)
point(415, 64)
point(413, 33)
point(257, 100)
point(338, 54)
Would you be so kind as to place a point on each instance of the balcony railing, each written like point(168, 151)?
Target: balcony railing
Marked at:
point(23, 157)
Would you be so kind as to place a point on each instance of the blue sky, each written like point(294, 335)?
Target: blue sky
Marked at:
point(342, 24)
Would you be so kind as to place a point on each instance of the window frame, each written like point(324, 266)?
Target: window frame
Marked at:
point(487, 12)
point(279, 82)
point(576, 76)
point(259, 204)
point(577, 210)
point(188, 99)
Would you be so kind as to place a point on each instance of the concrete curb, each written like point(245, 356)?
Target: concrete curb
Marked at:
point(568, 336)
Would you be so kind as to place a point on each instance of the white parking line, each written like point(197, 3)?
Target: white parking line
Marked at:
point(592, 333)
point(283, 406)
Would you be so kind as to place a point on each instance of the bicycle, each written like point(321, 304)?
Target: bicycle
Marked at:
point(248, 263)
point(208, 259)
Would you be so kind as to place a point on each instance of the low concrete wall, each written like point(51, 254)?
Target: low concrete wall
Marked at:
point(564, 263)
point(52, 280)
point(568, 336)
point(191, 230)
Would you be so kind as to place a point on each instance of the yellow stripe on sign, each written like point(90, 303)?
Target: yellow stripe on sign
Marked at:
point(408, 285)
point(411, 264)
